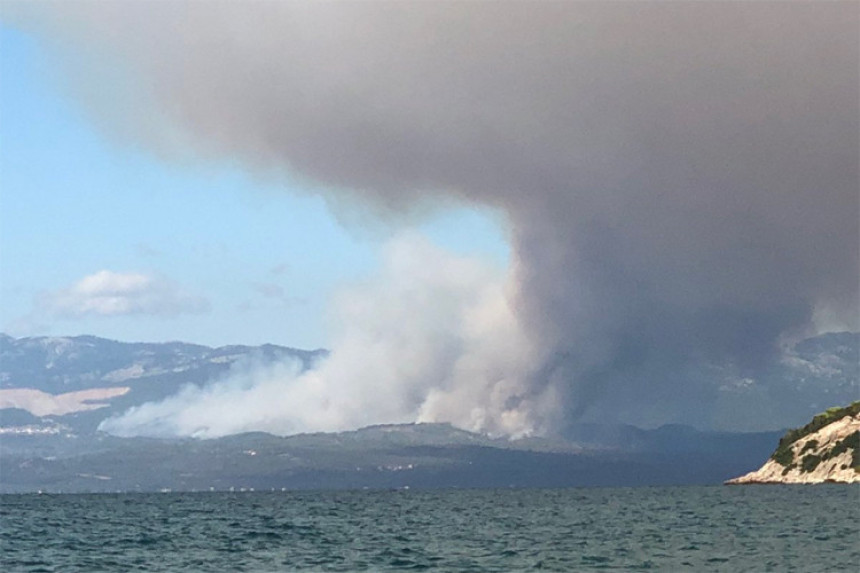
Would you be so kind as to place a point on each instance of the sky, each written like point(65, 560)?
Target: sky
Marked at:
point(234, 258)
point(504, 215)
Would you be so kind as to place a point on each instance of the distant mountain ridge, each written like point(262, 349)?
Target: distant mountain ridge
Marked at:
point(65, 364)
point(813, 375)
point(67, 453)
point(58, 366)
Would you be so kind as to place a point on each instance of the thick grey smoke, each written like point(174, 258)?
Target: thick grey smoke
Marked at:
point(680, 178)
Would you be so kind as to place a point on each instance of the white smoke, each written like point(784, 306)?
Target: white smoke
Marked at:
point(432, 339)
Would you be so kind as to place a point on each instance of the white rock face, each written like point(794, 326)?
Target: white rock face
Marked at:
point(836, 469)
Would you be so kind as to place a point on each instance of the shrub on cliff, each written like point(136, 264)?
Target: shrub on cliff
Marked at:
point(783, 454)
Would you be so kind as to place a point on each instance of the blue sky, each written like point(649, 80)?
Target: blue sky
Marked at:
point(235, 260)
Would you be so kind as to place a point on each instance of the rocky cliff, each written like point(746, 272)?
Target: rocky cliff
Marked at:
point(825, 450)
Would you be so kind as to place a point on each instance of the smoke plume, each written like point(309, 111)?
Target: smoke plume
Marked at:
point(680, 180)
point(431, 339)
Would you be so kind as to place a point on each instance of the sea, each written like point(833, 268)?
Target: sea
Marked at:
point(719, 528)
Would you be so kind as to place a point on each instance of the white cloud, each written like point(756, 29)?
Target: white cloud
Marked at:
point(109, 293)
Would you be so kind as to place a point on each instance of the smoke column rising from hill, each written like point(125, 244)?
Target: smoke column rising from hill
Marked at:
point(680, 180)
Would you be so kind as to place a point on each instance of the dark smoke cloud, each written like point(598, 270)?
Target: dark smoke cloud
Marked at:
point(680, 178)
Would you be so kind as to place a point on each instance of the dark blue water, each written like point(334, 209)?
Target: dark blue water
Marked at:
point(753, 528)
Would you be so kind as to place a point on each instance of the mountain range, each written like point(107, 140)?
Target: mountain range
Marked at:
point(55, 391)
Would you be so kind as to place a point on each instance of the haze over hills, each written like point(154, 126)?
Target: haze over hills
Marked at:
point(55, 392)
point(40, 375)
point(64, 364)
point(59, 366)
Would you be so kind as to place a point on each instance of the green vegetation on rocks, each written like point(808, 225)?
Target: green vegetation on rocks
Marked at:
point(784, 455)
point(810, 462)
point(810, 445)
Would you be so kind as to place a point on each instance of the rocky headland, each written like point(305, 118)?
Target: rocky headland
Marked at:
point(825, 450)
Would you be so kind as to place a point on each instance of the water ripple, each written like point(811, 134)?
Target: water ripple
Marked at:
point(666, 529)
